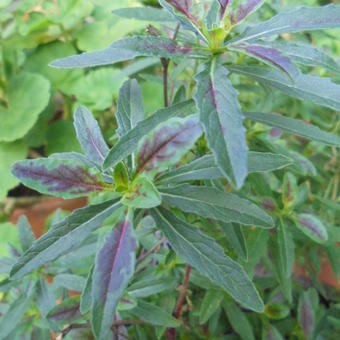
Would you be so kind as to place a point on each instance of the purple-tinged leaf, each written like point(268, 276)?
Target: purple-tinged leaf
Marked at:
point(306, 314)
point(66, 179)
point(312, 227)
point(66, 311)
point(290, 190)
point(223, 4)
point(184, 6)
point(294, 20)
point(90, 136)
point(222, 119)
point(271, 56)
point(114, 267)
point(269, 332)
point(240, 9)
point(167, 144)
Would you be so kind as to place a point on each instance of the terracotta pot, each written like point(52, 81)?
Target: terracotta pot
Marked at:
point(38, 213)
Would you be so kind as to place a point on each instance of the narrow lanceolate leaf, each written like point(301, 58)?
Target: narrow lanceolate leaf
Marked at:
point(305, 54)
point(221, 116)
point(205, 168)
point(66, 179)
point(167, 144)
point(269, 332)
point(235, 237)
point(90, 136)
point(212, 203)
point(114, 267)
point(142, 194)
point(130, 109)
point(223, 4)
point(143, 13)
point(294, 126)
point(129, 142)
point(64, 235)
point(26, 236)
point(152, 46)
point(306, 315)
point(240, 9)
point(85, 299)
point(286, 249)
point(312, 227)
point(321, 91)
point(270, 55)
point(204, 254)
point(181, 11)
point(67, 310)
point(295, 20)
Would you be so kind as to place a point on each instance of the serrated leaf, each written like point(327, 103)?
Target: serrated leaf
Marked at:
point(204, 254)
point(129, 142)
point(154, 315)
point(66, 311)
point(64, 235)
point(212, 203)
point(221, 116)
point(26, 236)
point(24, 105)
point(269, 55)
point(321, 91)
point(295, 20)
point(142, 194)
point(240, 9)
point(295, 126)
point(210, 303)
point(205, 168)
point(238, 320)
point(167, 144)
point(130, 109)
point(62, 178)
point(145, 13)
point(312, 227)
point(113, 269)
point(89, 136)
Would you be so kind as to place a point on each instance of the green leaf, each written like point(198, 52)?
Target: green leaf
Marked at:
point(312, 227)
point(286, 249)
point(45, 297)
point(24, 105)
point(204, 254)
point(221, 116)
point(130, 109)
point(66, 311)
point(85, 300)
point(167, 144)
point(11, 319)
point(321, 91)
point(121, 176)
point(9, 154)
point(306, 314)
point(276, 311)
point(143, 13)
point(290, 190)
point(90, 136)
point(238, 320)
point(62, 178)
point(26, 236)
point(205, 168)
point(295, 126)
point(305, 54)
point(69, 281)
point(212, 203)
point(129, 142)
point(150, 286)
point(154, 315)
point(65, 235)
point(269, 332)
point(142, 194)
point(210, 303)
point(235, 237)
point(114, 266)
point(238, 10)
point(294, 20)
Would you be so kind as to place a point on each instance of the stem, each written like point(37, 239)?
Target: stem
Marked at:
point(171, 333)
